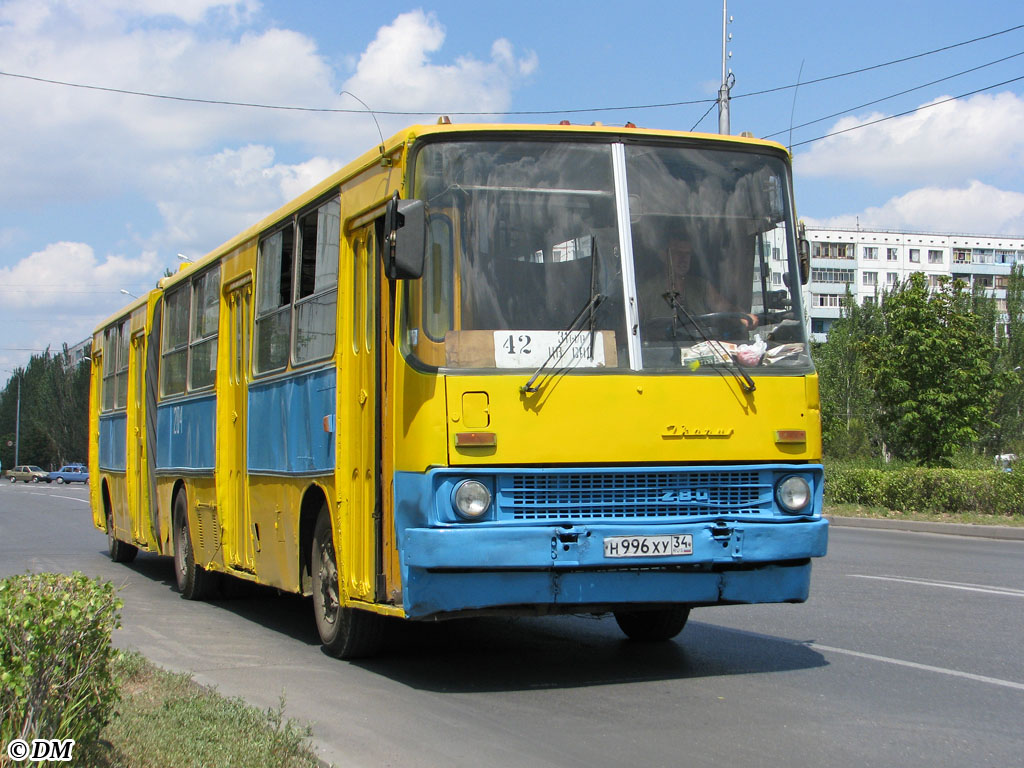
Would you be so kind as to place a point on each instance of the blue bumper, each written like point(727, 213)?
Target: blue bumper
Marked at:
point(561, 566)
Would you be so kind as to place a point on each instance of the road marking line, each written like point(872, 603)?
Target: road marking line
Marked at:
point(57, 496)
point(69, 498)
point(1006, 591)
point(915, 665)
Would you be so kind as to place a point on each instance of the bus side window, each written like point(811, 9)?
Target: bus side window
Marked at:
point(437, 283)
point(317, 282)
point(123, 342)
point(205, 318)
point(358, 257)
point(372, 258)
point(273, 300)
point(175, 342)
point(109, 367)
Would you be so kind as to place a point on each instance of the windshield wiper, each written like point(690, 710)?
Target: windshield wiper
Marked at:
point(747, 383)
point(566, 343)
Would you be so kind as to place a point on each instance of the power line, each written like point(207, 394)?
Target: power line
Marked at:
point(408, 113)
point(893, 95)
point(254, 105)
point(879, 66)
point(909, 111)
point(703, 116)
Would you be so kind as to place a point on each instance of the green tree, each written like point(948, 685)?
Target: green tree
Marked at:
point(64, 398)
point(1008, 413)
point(847, 407)
point(54, 412)
point(931, 370)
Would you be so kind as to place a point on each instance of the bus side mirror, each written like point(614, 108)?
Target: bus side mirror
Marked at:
point(403, 250)
point(803, 253)
point(805, 261)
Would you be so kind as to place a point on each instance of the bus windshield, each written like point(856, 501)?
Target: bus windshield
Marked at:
point(605, 257)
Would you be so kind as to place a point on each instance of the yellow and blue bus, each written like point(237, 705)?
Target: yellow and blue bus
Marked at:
point(483, 369)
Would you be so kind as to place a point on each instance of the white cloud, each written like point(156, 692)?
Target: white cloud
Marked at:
point(208, 171)
point(207, 200)
point(73, 144)
point(77, 144)
point(396, 72)
point(29, 15)
point(976, 208)
point(67, 278)
point(57, 295)
point(944, 144)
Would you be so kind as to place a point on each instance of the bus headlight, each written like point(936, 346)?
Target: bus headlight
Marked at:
point(793, 494)
point(471, 499)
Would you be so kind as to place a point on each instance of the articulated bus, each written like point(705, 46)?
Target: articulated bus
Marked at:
point(483, 369)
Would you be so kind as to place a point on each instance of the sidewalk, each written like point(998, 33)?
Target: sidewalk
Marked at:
point(1006, 532)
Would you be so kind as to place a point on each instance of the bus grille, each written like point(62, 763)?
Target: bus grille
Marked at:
point(555, 495)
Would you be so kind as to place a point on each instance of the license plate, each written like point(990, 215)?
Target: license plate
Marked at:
point(648, 546)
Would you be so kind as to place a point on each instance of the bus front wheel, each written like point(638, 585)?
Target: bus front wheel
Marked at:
point(653, 625)
point(194, 582)
point(346, 633)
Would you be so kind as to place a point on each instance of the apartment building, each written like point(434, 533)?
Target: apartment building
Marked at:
point(869, 261)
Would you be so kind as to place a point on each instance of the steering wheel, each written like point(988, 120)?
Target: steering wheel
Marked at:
point(717, 317)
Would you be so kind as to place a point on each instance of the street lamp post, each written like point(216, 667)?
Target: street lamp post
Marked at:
point(17, 415)
point(17, 424)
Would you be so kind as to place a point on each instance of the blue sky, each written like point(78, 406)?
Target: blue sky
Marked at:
point(100, 191)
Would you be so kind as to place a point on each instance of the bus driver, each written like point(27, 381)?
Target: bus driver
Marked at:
point(674, 286)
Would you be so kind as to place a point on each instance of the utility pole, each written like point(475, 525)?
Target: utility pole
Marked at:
point(17, 425)
point(727, 77)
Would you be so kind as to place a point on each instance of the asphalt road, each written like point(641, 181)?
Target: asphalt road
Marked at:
point(910, 652)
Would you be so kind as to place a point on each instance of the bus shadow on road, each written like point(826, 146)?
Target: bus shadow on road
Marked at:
point(290, 615)
point(482, 655)
point(508, 654)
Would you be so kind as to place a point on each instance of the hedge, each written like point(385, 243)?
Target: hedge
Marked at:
point(954, 491)
point(55, 654)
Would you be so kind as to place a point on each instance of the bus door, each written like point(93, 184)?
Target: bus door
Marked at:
point(388, 568)
point(360, 529)
point(235, 498)
point(136, 445)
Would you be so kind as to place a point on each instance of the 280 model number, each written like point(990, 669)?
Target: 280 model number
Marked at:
point(648, 546)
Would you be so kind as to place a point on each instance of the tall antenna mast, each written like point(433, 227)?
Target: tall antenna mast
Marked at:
point(727, 76)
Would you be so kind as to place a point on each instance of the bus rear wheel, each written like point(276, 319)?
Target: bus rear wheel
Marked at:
point(346, 633)
point(654, 625)
point(194, 582)
point(119, 551)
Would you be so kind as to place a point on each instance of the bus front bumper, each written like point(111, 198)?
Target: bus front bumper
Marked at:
point(567, 568)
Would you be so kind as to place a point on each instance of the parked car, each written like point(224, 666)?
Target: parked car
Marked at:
point(28, 473)
point(70, 473)
point(1005, 461)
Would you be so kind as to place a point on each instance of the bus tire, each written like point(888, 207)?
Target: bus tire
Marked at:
point(346, 633)
point(193, 581)
point(655, 625)
point(119, 551)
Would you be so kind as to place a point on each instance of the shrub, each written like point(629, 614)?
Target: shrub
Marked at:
point(55, 653)
point(915, 489)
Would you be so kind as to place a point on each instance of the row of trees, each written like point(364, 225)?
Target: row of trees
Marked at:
point(54, 412)
point(924, 373)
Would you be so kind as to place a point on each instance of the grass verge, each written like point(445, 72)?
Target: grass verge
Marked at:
point(967, 518)
point(168, 720)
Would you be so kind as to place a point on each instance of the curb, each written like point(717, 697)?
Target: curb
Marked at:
point(1003, 532)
